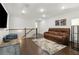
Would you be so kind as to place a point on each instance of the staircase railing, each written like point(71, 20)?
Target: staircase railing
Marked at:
point(25, 31)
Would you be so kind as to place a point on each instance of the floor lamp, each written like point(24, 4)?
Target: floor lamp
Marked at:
point(75, 33)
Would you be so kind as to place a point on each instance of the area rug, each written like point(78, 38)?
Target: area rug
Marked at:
point(48, 46)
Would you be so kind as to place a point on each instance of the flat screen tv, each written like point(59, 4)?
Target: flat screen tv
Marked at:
point(3, 17)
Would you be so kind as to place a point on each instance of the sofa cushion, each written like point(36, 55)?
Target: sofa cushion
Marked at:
point(64, 30)
point(53, 32)
point(10, 37)
point(54, 36)
point(57, 33)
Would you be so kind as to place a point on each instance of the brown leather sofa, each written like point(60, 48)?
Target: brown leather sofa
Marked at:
point(59, 35)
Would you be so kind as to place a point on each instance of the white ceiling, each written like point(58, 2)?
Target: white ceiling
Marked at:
point(32, 9)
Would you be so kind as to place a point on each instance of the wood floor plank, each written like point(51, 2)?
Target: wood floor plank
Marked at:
point(28, 47)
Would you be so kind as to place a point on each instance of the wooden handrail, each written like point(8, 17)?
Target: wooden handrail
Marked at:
point(29, 31)
point(25, 29)
point(22, 29)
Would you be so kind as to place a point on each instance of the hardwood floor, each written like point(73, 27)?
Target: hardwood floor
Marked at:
point(67, 51)
point(28, 47)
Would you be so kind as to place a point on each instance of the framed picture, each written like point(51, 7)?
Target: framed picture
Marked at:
point(61, 22)
point(57, 22)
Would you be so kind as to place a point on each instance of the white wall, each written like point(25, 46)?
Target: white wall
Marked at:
point(51, 22)
point(45, 24)
point(20, 22)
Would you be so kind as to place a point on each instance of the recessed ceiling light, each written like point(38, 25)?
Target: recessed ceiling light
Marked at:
point(63, 7)
point(42, 10)
point(23, 11)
